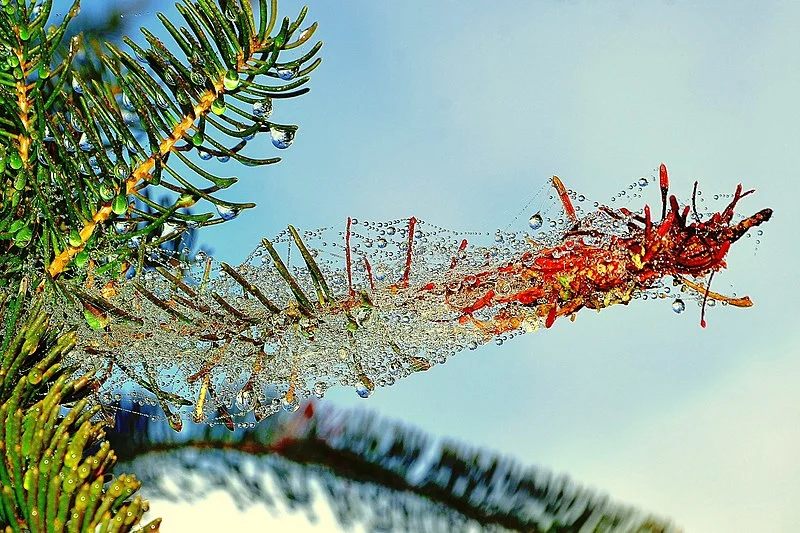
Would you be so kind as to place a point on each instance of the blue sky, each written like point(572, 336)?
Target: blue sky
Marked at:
point(457, 112)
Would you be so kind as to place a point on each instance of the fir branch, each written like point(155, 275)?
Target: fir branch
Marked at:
point(86, 127)
point(55, 462)
point(378, 461)
point(237, 44)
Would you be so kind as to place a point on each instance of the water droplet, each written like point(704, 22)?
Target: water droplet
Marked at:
point(81, 258)
point(288, 73)
point(197, 58)
point(169, 228)
point(139, 55)
point(169, 78)
point(197, 77)
point(95, 167)
point(291, 406)
point(319, 389)
point(363, 391)
point(231, 80)
point(218, 106)
point(472, 345)
point(133, 147)
point(41, 156)
point(223, 158)
point(15, 160)
point(161, 101)
point(643, 182)
point(84, 143)
point(678, 306)
point(126, 102)
point(76, 86)
point(304, 33)
point(263, 108)
point(380, 272)
point(121, 170)
point(75, 122)
point(120, 204)
point(245, 400)
point(381, 242)
point(205, 155)
point(106, 191)
point(535, 222)
point(227, 213)
point(83, 168)
point(282, 137)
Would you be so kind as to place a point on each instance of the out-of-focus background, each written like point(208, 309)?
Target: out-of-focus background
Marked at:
point(457, 112)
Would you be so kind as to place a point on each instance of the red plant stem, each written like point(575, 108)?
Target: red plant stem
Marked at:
point(663, 183)
point(412, 222)
point(565, 201)
point(349, 260)
point(369, 274)
point(461, 248)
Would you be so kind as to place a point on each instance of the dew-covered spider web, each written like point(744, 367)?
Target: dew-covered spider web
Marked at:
point(361, 304)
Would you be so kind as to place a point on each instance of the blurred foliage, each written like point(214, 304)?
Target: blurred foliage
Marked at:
point(374, 473)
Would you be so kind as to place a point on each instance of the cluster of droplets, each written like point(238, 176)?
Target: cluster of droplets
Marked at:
point(378, 328)
point(633, 191)
point(282, 136)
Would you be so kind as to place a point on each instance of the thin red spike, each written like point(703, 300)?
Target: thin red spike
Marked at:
point(705, 299)
point(663, 182)
point(648, 223)
point(349, 260)
point(461, 248)
point(663, 177)
point(663, 229)
point(369, 274)
point(727, 214)
point(694, 202)
point(551, 317)
point(412, 222)
point(565, 201)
